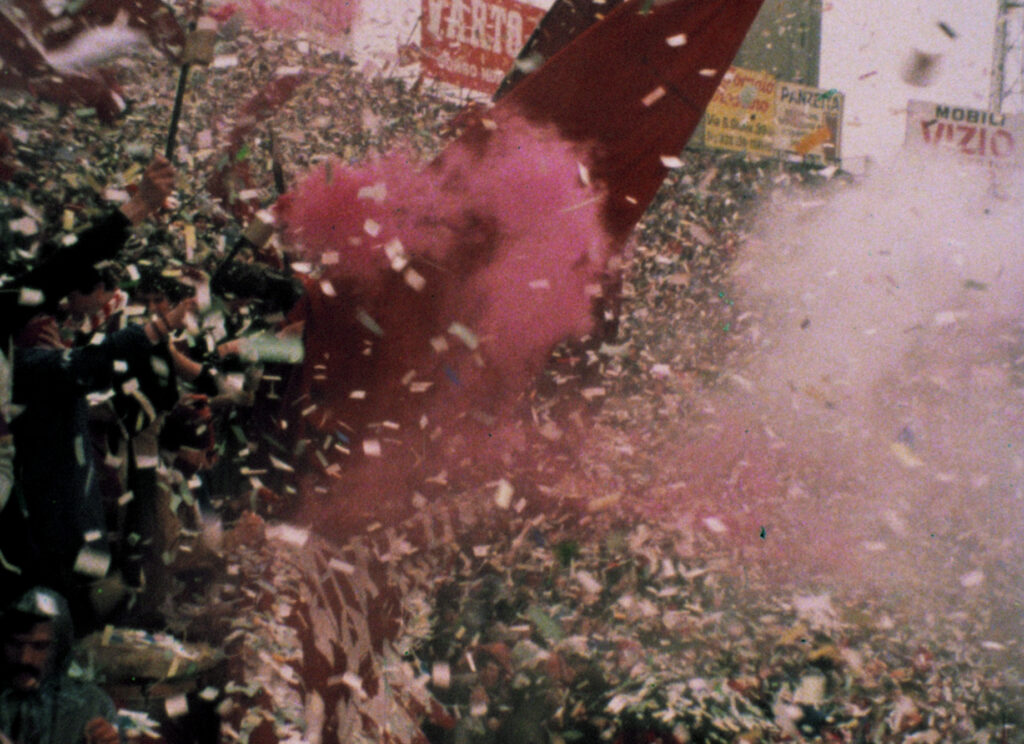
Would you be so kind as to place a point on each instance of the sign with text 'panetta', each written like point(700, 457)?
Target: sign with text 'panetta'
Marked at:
point(972, 135)
point(808, 122)
point(473, 43)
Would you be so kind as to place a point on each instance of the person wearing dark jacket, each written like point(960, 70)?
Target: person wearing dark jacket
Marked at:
point(63, 540)
point(52, 279)
point(25, 304)
point(39, 702)
point(56, 276)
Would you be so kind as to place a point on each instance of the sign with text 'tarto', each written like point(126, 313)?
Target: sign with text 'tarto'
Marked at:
point(473, 43)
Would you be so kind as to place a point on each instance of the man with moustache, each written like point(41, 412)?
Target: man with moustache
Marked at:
point(39, 702)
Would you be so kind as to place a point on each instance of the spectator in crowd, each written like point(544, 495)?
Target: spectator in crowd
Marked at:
point(39, 702)
point(27, 308)
point(60, 502)
point(158, 292)
point(96, 305)
point(124, 424)
point(41, 287)
point(55, 277)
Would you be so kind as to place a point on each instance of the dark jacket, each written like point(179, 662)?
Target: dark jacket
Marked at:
point(56, 712)
point(59, 273)
point(54, 465)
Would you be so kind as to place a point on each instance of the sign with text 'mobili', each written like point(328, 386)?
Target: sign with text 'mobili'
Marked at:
point(473, 43)
point(971, 135)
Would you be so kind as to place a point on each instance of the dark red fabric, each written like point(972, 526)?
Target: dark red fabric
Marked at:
point(23, 48)
point(594, 89)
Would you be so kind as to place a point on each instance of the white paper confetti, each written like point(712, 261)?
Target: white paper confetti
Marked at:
point(715, 525)
point(92, 562)
point(414, 279)
point(24, 225)
point(30, 297)
point(441, 675)
point(973, 578)
point(339, 565)
point(290, 534)
point(395, 252)
point(654, 96)
point(378, 192)
point(503, 494)
point(176, 706)
point(464, 334)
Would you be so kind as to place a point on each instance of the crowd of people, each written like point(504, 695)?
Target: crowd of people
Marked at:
point(113, 388)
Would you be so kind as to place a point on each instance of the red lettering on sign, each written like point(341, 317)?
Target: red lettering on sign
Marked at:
point(473, 43)
point(967, 135)
point(1001, 135)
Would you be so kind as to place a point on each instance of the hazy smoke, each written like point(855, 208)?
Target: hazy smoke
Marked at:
point(884, 371)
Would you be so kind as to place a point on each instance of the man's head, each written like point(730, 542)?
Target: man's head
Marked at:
point(158, 293)
point(93, 289)
point(27, 655)
point(33, 639)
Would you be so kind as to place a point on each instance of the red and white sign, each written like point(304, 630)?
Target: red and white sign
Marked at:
point(473, 43)
point(973, 135)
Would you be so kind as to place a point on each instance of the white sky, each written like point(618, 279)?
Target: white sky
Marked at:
point(862, 36)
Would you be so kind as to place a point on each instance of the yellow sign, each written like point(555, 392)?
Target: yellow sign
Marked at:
point(741, 116)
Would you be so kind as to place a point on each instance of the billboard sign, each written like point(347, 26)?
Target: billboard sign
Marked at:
point(808, 122)
point(473, 43)
point(972, 135)
point(741, 116)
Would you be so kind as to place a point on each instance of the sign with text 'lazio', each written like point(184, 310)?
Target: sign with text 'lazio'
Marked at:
point(473, 43)
point(741, 116)
point(972, 135)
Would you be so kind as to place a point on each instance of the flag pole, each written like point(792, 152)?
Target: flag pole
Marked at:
point(179, 98)
point(199, 49)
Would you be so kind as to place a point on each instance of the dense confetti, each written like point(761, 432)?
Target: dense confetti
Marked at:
point(613, 578)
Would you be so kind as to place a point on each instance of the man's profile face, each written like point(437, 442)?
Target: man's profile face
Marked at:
point(27, 656)
point(155, 302)
point(88, 303)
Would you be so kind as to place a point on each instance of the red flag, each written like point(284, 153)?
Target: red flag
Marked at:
point(635, 86)
point(58, 57)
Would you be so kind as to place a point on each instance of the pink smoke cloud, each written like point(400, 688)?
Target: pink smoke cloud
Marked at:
point(444, 287)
